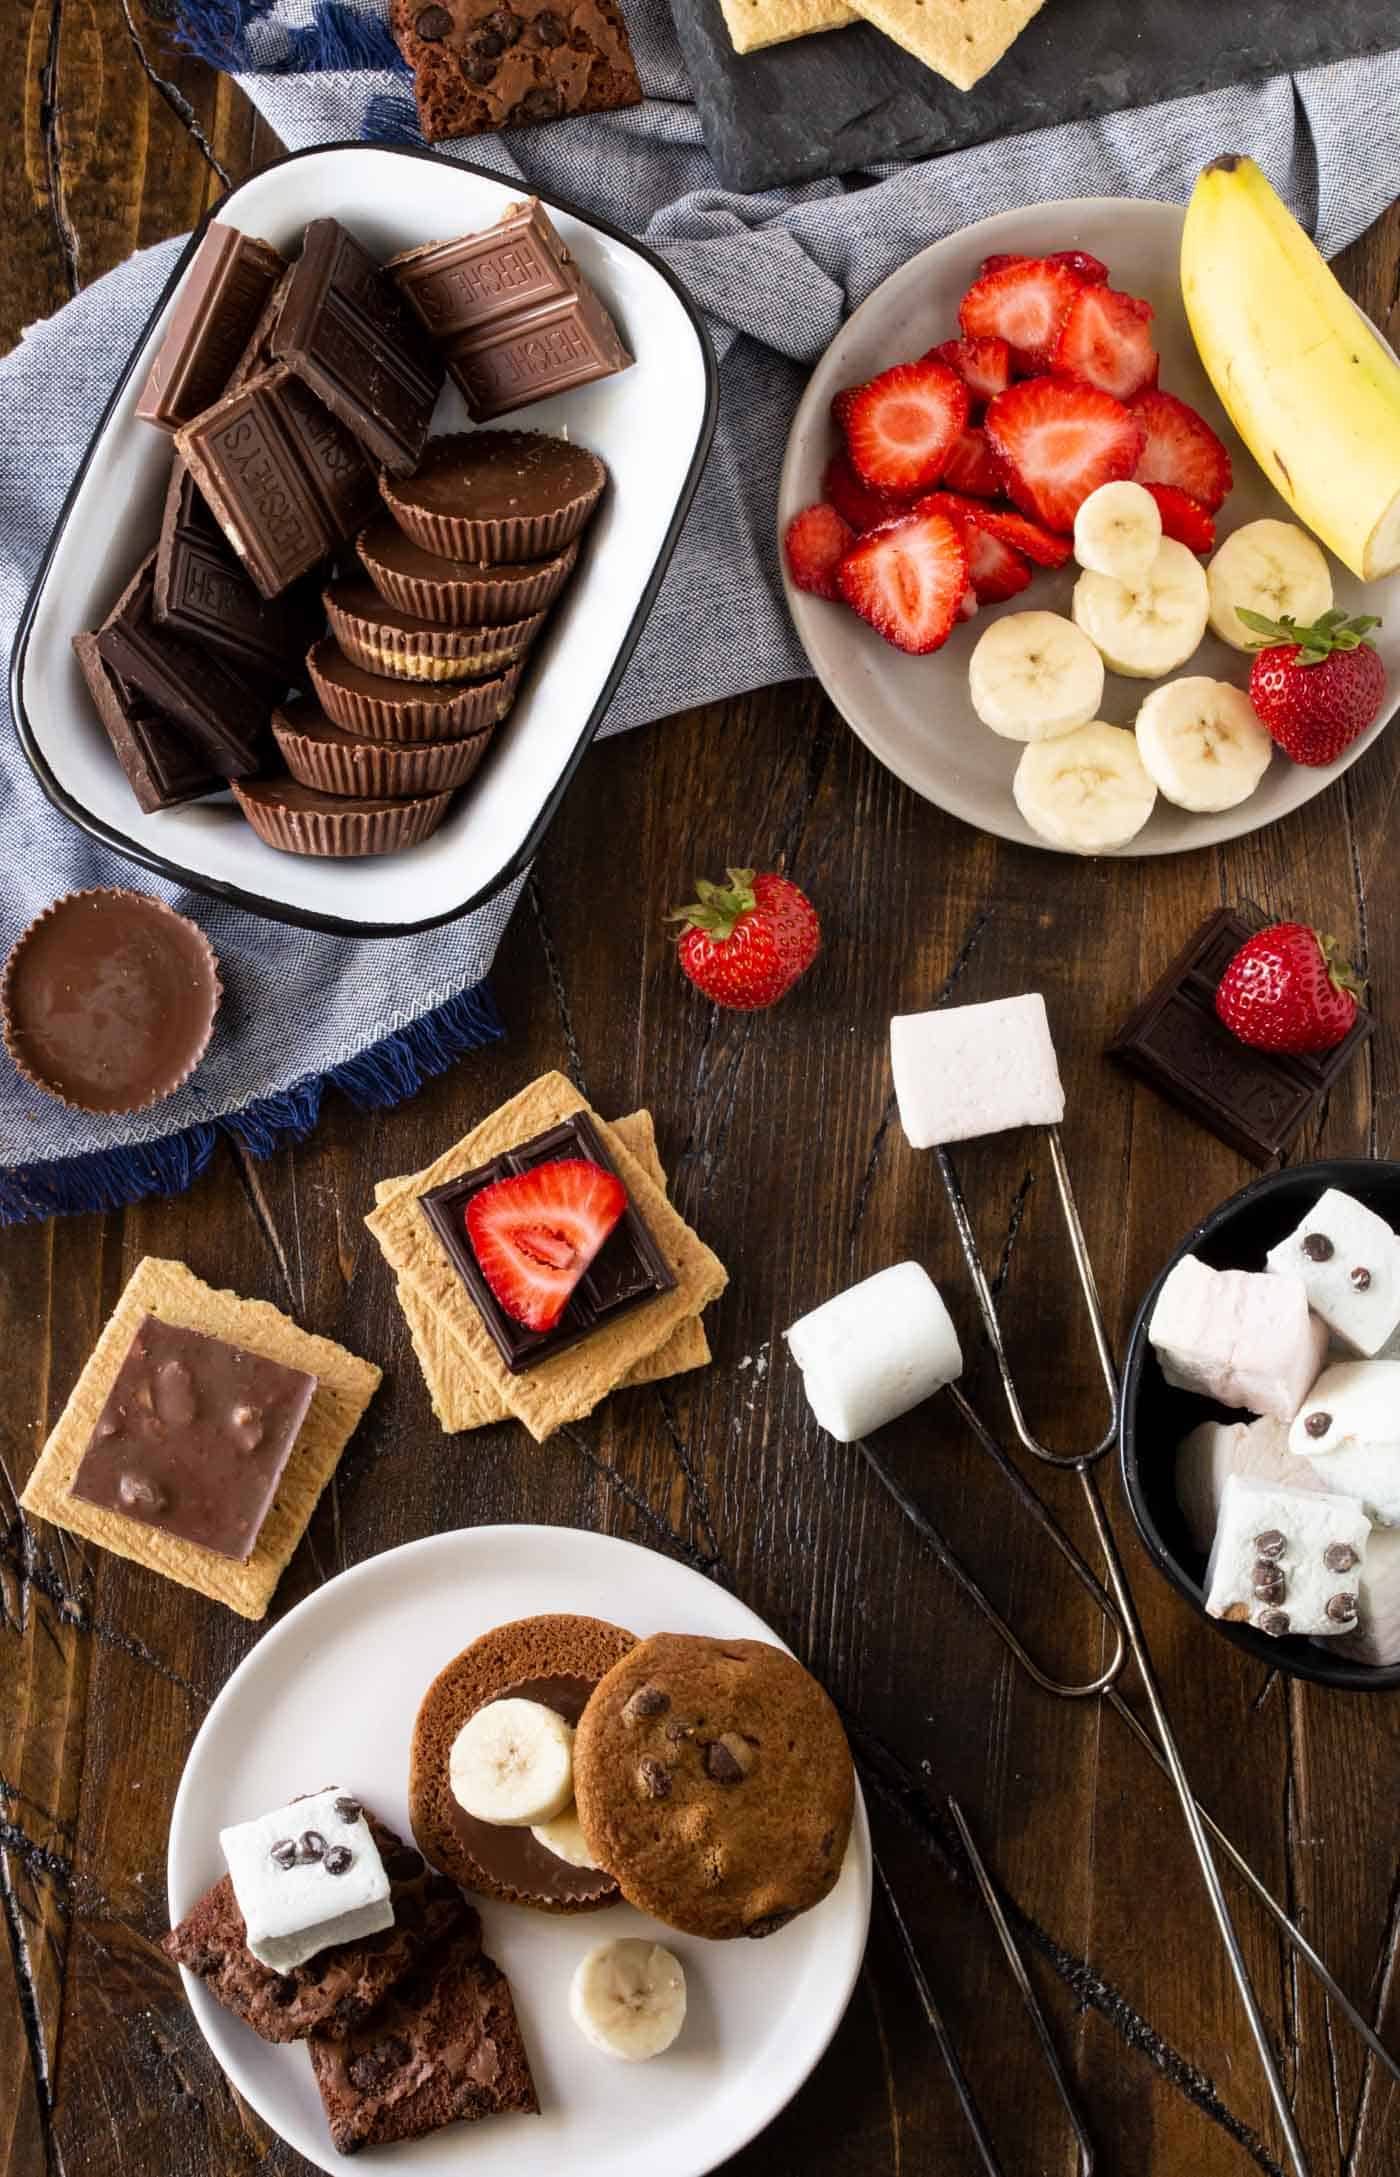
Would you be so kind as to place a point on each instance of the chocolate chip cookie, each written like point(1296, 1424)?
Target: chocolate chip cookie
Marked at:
point(556, 1661)
point(714, 1781)
point(478, 65)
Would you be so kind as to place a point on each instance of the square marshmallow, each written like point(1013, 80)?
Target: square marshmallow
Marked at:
point(1241, 1337)
point(1255, 1450)
point(1349, 1261)
point(1376, 1638)
point(331, 1889)
point(1348, 1430)
point(1287, 1560)
point(966, 1070)
point(876, 1351)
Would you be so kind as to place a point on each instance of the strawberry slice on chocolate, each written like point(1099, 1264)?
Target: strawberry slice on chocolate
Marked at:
point(535, 1235)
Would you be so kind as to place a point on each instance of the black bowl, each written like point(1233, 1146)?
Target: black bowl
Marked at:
point(1156, 1416)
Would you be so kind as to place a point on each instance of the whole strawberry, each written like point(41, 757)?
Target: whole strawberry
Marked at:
point(745, 943)
point(1315, 688)
point(1288, 990)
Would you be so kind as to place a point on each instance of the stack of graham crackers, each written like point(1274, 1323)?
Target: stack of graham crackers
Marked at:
point(468, 1381)
point(958, 39)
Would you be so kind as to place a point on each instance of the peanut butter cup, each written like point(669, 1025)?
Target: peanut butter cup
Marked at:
point(459, 592)
point(323, 755)
point(381, 709)
point(381, 638)
point(299, 819)
point(496, 495)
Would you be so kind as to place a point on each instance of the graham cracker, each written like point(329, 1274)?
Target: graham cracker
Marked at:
point(344, 1387)
point(461, 1399)
point(959, 39)
point(752, 24)
point(568, 1385)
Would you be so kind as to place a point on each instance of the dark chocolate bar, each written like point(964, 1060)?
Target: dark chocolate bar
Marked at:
point(217, 307)
point(228, 713)
point(201, 590)
point(346, 331)
point(1255, 1100)
point(628, 1270)
point(284, 479)
point(257, 356)
point(163, 765)
point(194, 1437)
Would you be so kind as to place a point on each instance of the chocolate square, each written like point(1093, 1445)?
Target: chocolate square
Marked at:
point(226, 713)
point(163, 766)
point(219, 302)
point(630, 1269)
point(1255, 1100)
point(194, 1437)
point(201, 591)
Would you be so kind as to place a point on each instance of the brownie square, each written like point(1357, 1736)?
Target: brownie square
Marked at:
point(443, 2048)
point(480, 66)
point(338, 1988)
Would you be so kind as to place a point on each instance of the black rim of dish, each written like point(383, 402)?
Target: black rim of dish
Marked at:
point(282, 911)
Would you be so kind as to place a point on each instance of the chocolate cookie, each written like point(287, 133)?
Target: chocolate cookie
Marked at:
point(714, 1780)
point(477, 65)
point(443, 2048)
point(554, 1660)
point(339, 1987)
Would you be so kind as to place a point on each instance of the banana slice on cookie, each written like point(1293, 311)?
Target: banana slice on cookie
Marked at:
point(1269, 567)
point(1087, 792)
point(512, 1763)
point(1149, 626)
point(628, 1998)
point(1201, 740)
point(1033, 676)
point(1117, 531)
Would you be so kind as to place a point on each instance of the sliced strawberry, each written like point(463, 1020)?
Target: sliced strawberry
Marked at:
point(1024, 303)
point(854, 500)
point(816, 541)
point(995, 570)
point(900, 426)
point(1059, 441)
point(1181, 449)
point(972, 466)
point(1106, 341)
point(967, 603)
point(984, 366)
point(1183, 518)
point(841, 405)
point(1086, 269)
point(534, 1235)
point(1018, 530)
point(908, 579)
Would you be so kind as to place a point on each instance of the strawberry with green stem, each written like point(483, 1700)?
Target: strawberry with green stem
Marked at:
point(1315, 688)
point(746, 942)
point(1288, 989)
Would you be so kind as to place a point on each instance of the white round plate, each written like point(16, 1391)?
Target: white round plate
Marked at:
point(329, 1697)
point(914, 713)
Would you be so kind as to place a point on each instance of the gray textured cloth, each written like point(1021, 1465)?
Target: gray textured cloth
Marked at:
point(775, 275)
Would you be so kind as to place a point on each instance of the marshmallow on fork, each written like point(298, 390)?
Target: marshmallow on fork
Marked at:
point(1255, 1450)
point(876, 1351)
point(1349, 1260)
point(1349, 1431)
point(966, 1070)
point(1286, 1560)
point(1239, 1337)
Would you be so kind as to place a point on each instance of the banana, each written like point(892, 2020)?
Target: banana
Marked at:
point(1117, 531)
point(1202, 743)
point(564, 1838)
point(512, 1763)
point(1269, 567)
point(1087, 792)
point(1311, 390)
point(628, 1998)
point(1033, 676)
point(1149, 626)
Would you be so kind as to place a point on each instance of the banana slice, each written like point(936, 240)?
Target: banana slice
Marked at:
point(1087, 792)
point(1032, 676)
point(1269, 567)
point(1149, 626)
point(564, 1838)
point(1117, 531)
point(1202, 742)
point(628, 1998)
point(512, 1763)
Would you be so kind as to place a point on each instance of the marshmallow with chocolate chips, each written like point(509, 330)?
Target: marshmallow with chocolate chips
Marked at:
point(1348, 1429)
point(1349, 1261)
point(1287, 1560)
point(306, 1876)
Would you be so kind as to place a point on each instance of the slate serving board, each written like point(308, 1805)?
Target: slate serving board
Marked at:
point(852, 98)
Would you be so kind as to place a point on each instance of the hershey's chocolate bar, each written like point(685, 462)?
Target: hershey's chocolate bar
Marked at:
point(163, 764)
point(227, 713)
point(218, 305)
point(202, 590)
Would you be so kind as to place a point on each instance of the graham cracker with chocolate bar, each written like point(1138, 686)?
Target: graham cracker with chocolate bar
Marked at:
point(461, 1398)
point(570, 1384)
point(344, 1387)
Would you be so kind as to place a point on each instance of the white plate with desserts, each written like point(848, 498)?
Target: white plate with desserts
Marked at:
point(330, 1696)
point(915, 713)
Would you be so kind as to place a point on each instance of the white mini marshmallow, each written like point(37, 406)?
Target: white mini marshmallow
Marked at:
point(1376, 1639)
point(1238, 1336)
point(1349, 1430)
point(1287, 1560)
point(1349, 1261)
point(875, 1351)
point(293, 1910)
point(1255, 1450)
point(966, 1070)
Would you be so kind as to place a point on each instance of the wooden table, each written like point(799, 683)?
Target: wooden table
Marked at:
point(777, 1131)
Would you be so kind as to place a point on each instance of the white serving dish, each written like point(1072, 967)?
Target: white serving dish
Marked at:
point(915, 714)
point(652, 425)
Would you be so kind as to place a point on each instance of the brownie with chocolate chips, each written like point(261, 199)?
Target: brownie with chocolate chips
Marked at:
point(339, 1987)
point(479, 65)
